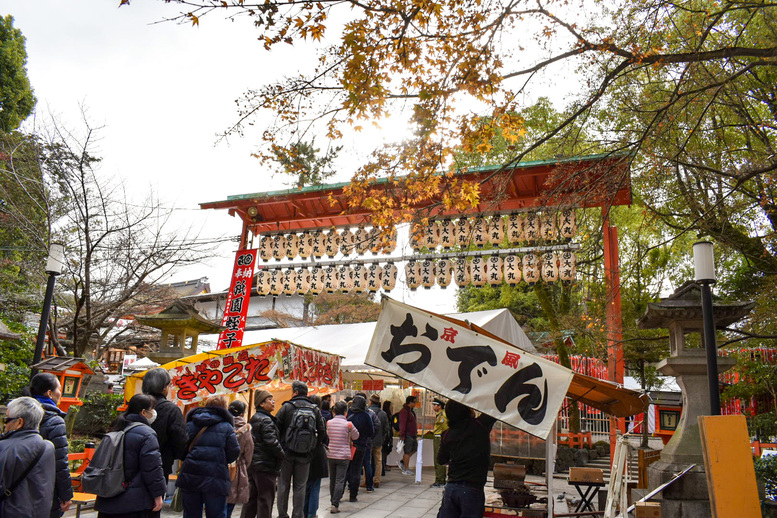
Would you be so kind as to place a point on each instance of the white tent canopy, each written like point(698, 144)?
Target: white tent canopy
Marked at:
point(352, 340)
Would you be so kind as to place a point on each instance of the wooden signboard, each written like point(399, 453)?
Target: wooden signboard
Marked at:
point(729, 465)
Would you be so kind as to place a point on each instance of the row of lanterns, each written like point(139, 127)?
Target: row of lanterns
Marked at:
point(360, 278)
point(518, 227)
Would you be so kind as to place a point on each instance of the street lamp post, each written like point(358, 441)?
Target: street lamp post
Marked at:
point(53, 268)
point(704, 265)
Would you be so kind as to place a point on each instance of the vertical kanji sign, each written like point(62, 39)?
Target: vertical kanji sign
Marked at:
point(239, 295)
point(493, 377)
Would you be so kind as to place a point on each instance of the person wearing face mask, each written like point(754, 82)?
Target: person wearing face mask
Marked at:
point(169, 426)
point(142, 465)
point(45, 388)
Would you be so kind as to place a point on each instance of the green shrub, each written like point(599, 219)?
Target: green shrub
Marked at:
point(766, 471)
point(97, 413)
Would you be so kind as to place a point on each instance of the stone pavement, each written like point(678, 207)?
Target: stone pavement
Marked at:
point(397, 497)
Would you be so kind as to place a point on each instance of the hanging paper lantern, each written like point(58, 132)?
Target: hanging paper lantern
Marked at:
point(417, 237)
point(463, 231)
point(359, 278)
point(548, 226)
point(305, 245)
point(432, 235)
point(331, 282)
point(345, 279)
point(289, 282)
point(494, 270)
point(496, 230)
point(303, 281)
point(549, 267)
point(567, 224)
point(447, 234)
point(347, 242)
point(389, 277)
point(531, 228)
point(276, 282)
point(362, 237)
point(262, 280)
point(316, 280)
point(375, 244)
point(531, 268)
point(462, 273)
point(478, 271)
point(567, 271)
point(317, 250)
point(390, 243)
point(427, 274)
point(511, 269)
point(374, 273)
point(278, 247)
point(514, 228)
point(444, 272)
point(413, 274)
point(265, 248)
point(292, 246)
point(332, 243)
point(479, 233)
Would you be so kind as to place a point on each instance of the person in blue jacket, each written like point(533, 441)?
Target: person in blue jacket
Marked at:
point(46, 388)
point(363, 422)
point(142, 465)
point(204, 477)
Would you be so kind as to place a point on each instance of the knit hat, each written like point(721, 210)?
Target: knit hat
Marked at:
point(261, 395)
point(375, 398)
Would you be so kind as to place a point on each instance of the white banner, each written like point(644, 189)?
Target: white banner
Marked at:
point(504, 382)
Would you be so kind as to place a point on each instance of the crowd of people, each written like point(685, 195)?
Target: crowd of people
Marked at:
point(226, 460)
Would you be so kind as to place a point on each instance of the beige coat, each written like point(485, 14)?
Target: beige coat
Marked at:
point(241, 485)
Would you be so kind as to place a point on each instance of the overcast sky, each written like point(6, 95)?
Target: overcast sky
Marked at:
point(162, 92)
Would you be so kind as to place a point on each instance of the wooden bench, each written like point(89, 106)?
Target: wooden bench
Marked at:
point(83, 500)
point(85, 457)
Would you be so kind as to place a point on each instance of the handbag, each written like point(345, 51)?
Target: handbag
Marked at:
point(176, 504)
point(232, 470)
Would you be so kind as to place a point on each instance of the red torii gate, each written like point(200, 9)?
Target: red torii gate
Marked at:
point(588, 181)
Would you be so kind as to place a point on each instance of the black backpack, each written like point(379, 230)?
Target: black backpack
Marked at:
point(395, 421)
point(300, 436)
point(105, 474)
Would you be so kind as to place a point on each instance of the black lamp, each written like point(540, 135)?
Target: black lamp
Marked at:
point(704, 266)
point(53, 267)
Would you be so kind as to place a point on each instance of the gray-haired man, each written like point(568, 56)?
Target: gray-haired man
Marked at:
point(26, 462)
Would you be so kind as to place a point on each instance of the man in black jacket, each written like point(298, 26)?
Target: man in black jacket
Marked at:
point(169, 426)
point(296, 464)
point(466, 448)
point(267, 459)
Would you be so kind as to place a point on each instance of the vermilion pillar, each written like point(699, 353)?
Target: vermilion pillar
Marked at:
point(615, 363)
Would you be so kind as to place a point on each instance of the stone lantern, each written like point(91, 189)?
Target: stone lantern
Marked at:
point(681, 314)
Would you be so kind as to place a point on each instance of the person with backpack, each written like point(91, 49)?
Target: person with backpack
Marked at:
point(26, 462)
point(46, 388)
point(169, 426)
point(134, 453)
point(362, 420)
point(379, 440)
point(318, 471)
point(301, 428)
point(241, 485)
point(268, 456)
point(204, 478)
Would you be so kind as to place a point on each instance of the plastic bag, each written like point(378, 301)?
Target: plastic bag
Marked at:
point(176, 504)
point(401, 446)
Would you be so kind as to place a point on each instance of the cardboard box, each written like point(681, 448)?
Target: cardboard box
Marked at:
point(647, 510)
point(586, 475)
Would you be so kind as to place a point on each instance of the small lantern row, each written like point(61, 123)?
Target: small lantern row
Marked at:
point(361, 278)
point(319, 243)
point(518, 227)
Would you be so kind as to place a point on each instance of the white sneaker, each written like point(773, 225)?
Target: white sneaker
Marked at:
point(407, 472)
point(401, 465)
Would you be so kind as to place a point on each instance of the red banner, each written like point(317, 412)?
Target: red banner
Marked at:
point(239, 295)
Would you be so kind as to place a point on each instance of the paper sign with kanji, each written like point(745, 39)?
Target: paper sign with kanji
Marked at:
point(502, 381)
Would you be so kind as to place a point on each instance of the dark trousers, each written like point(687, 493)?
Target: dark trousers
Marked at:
point(462, 501)
point(296, 468)
point(369, 469)
point(338, 469)
point(261, 494)
point(194, 501)
point(139, 514)
point(312, 494)
point(355, 470)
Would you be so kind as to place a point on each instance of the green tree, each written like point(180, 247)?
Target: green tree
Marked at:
point(302, 162)
point(16, 96)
